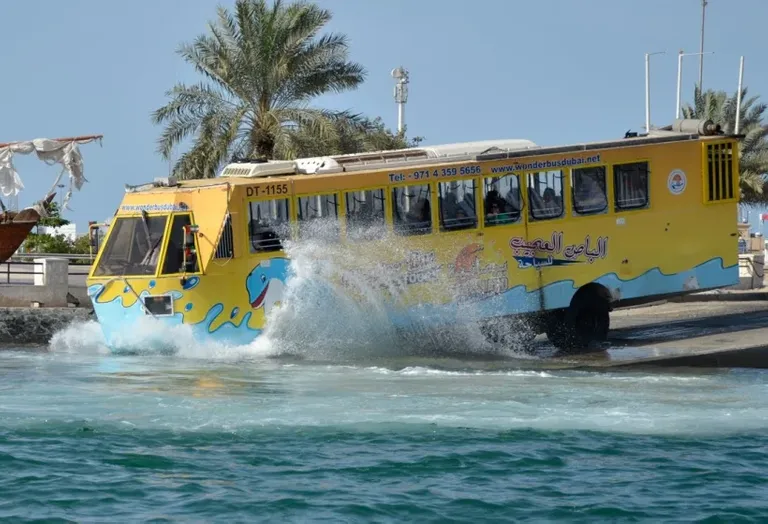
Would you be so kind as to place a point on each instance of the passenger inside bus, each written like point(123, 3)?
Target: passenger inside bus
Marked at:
point(457, 213)
point(589, 191)
point(412, 211)
point(549, 205)
point(264, 237)
point(420, 215)
point(500, 210)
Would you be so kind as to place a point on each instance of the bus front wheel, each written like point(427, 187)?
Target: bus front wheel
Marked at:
point(581, 327)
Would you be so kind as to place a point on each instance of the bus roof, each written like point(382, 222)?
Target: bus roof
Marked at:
point(244, 172)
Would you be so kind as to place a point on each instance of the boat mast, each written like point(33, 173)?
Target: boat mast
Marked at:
point(86, 138)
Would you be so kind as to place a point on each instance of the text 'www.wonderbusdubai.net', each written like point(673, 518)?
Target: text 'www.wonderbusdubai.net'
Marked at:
point(546, 164)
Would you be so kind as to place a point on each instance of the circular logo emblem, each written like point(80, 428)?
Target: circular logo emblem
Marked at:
point(676, 182)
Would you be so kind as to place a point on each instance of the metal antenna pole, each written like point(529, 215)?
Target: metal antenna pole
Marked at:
point(401, 95)
point(648, 89)
point(680, 75)
point(701, 47)
point(679, 78)
point(738, 97)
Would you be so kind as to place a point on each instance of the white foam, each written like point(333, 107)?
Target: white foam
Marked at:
point(318, 318)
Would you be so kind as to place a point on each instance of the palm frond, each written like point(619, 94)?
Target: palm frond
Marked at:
point(262, 65)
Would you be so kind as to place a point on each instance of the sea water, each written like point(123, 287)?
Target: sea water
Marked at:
point(335, 416)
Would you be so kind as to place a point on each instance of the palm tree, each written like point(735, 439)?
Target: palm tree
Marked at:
point(263, 66)
point(753, 165)
point(353, 134)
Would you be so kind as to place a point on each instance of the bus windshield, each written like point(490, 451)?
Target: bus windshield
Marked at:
point(133, 247)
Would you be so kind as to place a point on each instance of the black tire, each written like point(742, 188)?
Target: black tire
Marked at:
point(581, 327)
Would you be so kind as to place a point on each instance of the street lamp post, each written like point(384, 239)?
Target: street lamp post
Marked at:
point(680, 56)
point(738, 97)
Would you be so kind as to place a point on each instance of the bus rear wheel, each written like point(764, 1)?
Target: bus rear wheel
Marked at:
point(580, 328)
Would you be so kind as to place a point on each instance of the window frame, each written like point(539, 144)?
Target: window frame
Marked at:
point(393, 202)
point(647, 205)
point(520, 193)
point(385, 225)
point(471, 225)
point(706, 177)
point(164, 253)
point(112, 231)
point(291, 223)
point(227, 220)
point(606, 192)
point(298, 221)
point(563, 195)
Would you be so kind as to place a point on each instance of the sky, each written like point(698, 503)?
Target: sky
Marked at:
point(552, 71)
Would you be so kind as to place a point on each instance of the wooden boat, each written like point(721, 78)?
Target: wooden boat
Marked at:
point(16, 226)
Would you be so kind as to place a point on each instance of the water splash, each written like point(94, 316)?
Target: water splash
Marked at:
point(148, 337)
point(339, 304)
point(341, 300)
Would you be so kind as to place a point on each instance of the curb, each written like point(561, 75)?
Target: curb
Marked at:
point(723, 297)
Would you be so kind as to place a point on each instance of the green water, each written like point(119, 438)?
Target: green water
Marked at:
point(97, 438)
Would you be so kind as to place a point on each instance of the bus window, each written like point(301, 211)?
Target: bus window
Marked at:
point(545, 195)
point(319, 216)
point(502, 200)
point(412, 210)
point(268, 222)
point(365, 214)
point(630, 183)
point(226, 247)
point(457, 205)
point(589, 194)
point(133, 247)
point(174, 252)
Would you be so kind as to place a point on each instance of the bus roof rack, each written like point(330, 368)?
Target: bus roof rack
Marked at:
point(680, 129)
point(373, 159)
point(395, 157)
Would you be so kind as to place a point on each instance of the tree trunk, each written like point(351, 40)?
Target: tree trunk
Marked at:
point(262, 144)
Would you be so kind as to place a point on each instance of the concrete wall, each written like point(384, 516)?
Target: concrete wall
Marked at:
point(751, 271)
point(49, 289)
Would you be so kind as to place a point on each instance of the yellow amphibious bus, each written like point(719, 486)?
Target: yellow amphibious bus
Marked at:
point(487, 232)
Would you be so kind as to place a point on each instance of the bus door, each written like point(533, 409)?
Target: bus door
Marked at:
point(506, 244)
point(544, 220)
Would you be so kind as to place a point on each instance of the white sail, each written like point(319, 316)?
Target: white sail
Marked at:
point(58, 151)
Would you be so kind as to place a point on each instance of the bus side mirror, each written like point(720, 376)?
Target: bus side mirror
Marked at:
point(93, 236)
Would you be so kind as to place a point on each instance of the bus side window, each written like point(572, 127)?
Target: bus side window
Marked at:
point(174, 252)
point(365, 214)
point(457, 205)
point(319, 216)
point(589, 193)
point(545, 195)
point(630, 183)
point(501, 200)
point(412, 210)
point(226, 247)
point(268, 222)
